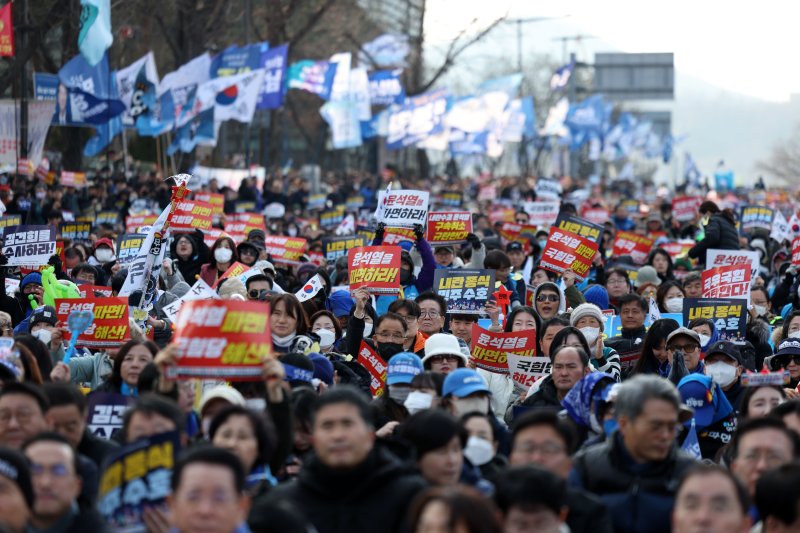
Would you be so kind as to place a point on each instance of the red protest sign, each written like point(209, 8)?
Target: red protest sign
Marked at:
point(6, 32)
point(217, 201)
point(375, 366)
point(513, 232)
point(636, 246)
point(449, 227)
point(73, 179)
point(726, 282)
point(94, 291)
point(684, 208)
point(677, 249)
point(221, 339)
point(398, 235)
point(565, 250)
point(234, 271)
point(210, 236)
point(501, 214)
point(796, 251)
point(132, 224)
point(190, 215)
point(489, 348)
point(110, 327)
point(376, 268)
point(285, 250)
point(598, 215)
point(238, 226)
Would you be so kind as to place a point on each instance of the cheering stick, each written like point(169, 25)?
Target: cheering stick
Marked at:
point(77, 323)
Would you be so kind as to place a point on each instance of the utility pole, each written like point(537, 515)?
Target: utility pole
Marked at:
point(571, 38)
point(525, 20)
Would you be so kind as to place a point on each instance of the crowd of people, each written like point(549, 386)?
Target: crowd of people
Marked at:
point(658, 426)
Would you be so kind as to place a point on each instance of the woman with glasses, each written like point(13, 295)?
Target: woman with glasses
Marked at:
point(787, 357)
point(389, 331)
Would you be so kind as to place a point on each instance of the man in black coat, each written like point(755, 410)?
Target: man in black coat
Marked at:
point(349, 484)
point(720, 232)
point(628, 344)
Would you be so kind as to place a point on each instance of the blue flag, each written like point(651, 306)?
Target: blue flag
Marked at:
point(313, 76)
point(200, 128)
point(105, 132)
point(95, 36)
point(561, 76)
point(238, 59)
point(273, 61)
point(690, 444)
point(386, 87)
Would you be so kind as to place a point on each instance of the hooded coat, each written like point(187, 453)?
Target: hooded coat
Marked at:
point(720, 234)
point(190, 269)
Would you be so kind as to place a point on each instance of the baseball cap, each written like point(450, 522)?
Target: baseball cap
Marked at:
point(514, 246)
point(725, 348)
point(448, 249)
point(710, 405)
point(685, 332)
point(462, 382)
point(105, 241)
point(221, 392)
point(45, 313)
point(402, 368)
point(790, 346)
point(14, 467)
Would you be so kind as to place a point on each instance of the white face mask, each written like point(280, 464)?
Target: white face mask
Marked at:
point(795, 334)
point(367, 329)
point(326, 338)
point(590, 334)
point(721, 373)
point(674, 305)
point(43, 335)
point(761, 310)
point(478, 451)
point(223, 255)
point(462, 406)
point(418, 401)
point(41, 195)
point(704, 339)
point(104, 255)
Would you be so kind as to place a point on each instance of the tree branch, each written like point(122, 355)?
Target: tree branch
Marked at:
point(296, 119)
point(310, 23)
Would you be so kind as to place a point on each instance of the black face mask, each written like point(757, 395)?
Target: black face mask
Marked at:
point(389, 349)
point(405, 276)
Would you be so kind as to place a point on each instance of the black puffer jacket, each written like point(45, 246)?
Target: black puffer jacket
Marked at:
point(720, 233)
point(373, 496)
point(190, 269)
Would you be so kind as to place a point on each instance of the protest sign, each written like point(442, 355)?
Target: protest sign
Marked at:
point(756, 217)
point(190, 215)
point(244, 207)
point(718, 258)
point(595, 215)
point(10, 220)
point(335, 247)
point(565, 250)
point(216, 200)
point(579, 226)
point(12, 285)
point(684, 208)
point(375, 366)
point(76, 180)
point(781, 230)
point(128, 247)
point(29, 245)
point(766, 379)
point(402, 208)
point(466, 291)
point(137, 477)
point(104, 412)
point(525, 370)
point(547, 189)
point(199, 291)
point(732, 281)
point(75, 231)
point(239, 225)
point(677, 249)
point(221, 339)
point(106, 217)
point(398, 235)
point(330, 218)
point(316, 201)
point(452, 199)
point(542, 213)
point(501, 214)
point(487, 193)
point(354, 202)
point(521, 233)
point(133, 223)
point(376, 268)
point(87, 290)
point(448, 227)
point(110, 327)
point(729, 315)
point(285, 250)
point(636, 246)
point(490, 349)
point(234, 271)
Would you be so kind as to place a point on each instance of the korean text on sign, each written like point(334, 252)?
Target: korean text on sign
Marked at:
point(566, 250)
point(450, 227)
point(490, 349)
point(728, 314)
point(731, 281)
point(110, 327)
point(403, 208)
point(636, 246)
point(466, 291)
point(29, 245)
point(375, 366)
point(223, 339)
point(376, 268)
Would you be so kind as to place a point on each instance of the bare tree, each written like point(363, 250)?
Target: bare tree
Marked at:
point(783, 162)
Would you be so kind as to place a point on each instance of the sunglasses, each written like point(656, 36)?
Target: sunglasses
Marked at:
point(784, 360)
point(256, 294)
point(547, 298)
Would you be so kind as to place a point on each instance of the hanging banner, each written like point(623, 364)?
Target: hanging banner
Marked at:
point(110, 327)
point(490, 349)
point(199, 291)
point(756, 217)
point(105, 411)
point(416, 119)
point(375, 366)
point(274, 62)
point(719, 258)
point(565, 250)
point(542, 213)
point(221, 339)
point(684, 208)
point(136, 477)
point(449, 227)
point(579, 226)
point(386, 87)
point(285, 250)
point(190, 215)
point(466, 291)
point(376, 268)
point(632, 244)
point(29, 245)
point(727, 282)
point(402, 208)
point(75, 231)
point(39, 116)
point(526, 370)
point(128, 246)
point(729, 315)
point(335, 247)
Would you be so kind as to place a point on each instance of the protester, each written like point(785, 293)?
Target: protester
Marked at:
point(710, 499)
point(776, 498)
point(760, 445)
point(759, 401)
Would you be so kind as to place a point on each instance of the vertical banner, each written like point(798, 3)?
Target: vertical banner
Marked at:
point(375, 366)
point(466, 291)
point(729, 315)
point(376, 268)
point(221, 339)
point(490, 349)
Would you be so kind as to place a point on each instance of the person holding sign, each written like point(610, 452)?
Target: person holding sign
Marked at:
point(223, 255)
point(390, 329)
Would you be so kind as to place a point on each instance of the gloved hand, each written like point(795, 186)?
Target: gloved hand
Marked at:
point(474, 240)
point(380, 231)
point(678, 369)
point(418, 232)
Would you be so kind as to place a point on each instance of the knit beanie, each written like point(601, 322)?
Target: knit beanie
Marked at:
point(597, 295)
point(586, 310)
point(323, 368)
point(647, 274)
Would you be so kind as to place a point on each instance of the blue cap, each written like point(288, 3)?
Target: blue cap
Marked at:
point(701, 394)
point(33, 277)
point(403, 367)
point(341, 303)
point(323, 368)
point(462, 382)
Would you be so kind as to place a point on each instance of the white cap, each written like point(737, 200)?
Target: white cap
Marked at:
point(222, 392)
point(443, 344)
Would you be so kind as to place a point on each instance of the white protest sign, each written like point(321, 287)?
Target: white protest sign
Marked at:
point(720, 258)
point(781, 231)
point(29, 245)
point(542, 213)
point(403, 208)
point(199, 291)
point(526, 370)
point(11, 286)
point(548, 189)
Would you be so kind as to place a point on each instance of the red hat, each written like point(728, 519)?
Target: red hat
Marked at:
point(105, 241)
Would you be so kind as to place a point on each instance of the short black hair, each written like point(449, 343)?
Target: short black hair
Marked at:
point(496, 259)
point(61, 394)
point(430, 295)
point(346, 394)
point(409, 306)
point(153, 404)
point(52, 436)
point(257, 277)
point(550, 418)
point(464, 317)
point(560, 338)
point(263, 430)
point(26, 389)
point(757, 424)
point(778, 493)
point(632, 297)
point(212, 456)
point(530, 488)
point(789, 407)
point(619, 271)
point(704, 469)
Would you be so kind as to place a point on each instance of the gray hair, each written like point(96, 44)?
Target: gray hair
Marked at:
point(633, 393)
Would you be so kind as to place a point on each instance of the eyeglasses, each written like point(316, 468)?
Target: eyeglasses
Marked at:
point(448, 358)
point(686, 348)
point(258, 294)
point(23, 417)
point(770, 457)
point(615, 281)
point(409, 318)
point(392, 336)
point(57, 470)
point(547, 298)
point(430, 314)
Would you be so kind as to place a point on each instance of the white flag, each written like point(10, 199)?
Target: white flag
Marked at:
point(310, 289)
point(148, 263)
point(347, 227)
point(126, 78)
point(233, 97)
point(199, 291)
point(654, 313)
point(781, 231)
